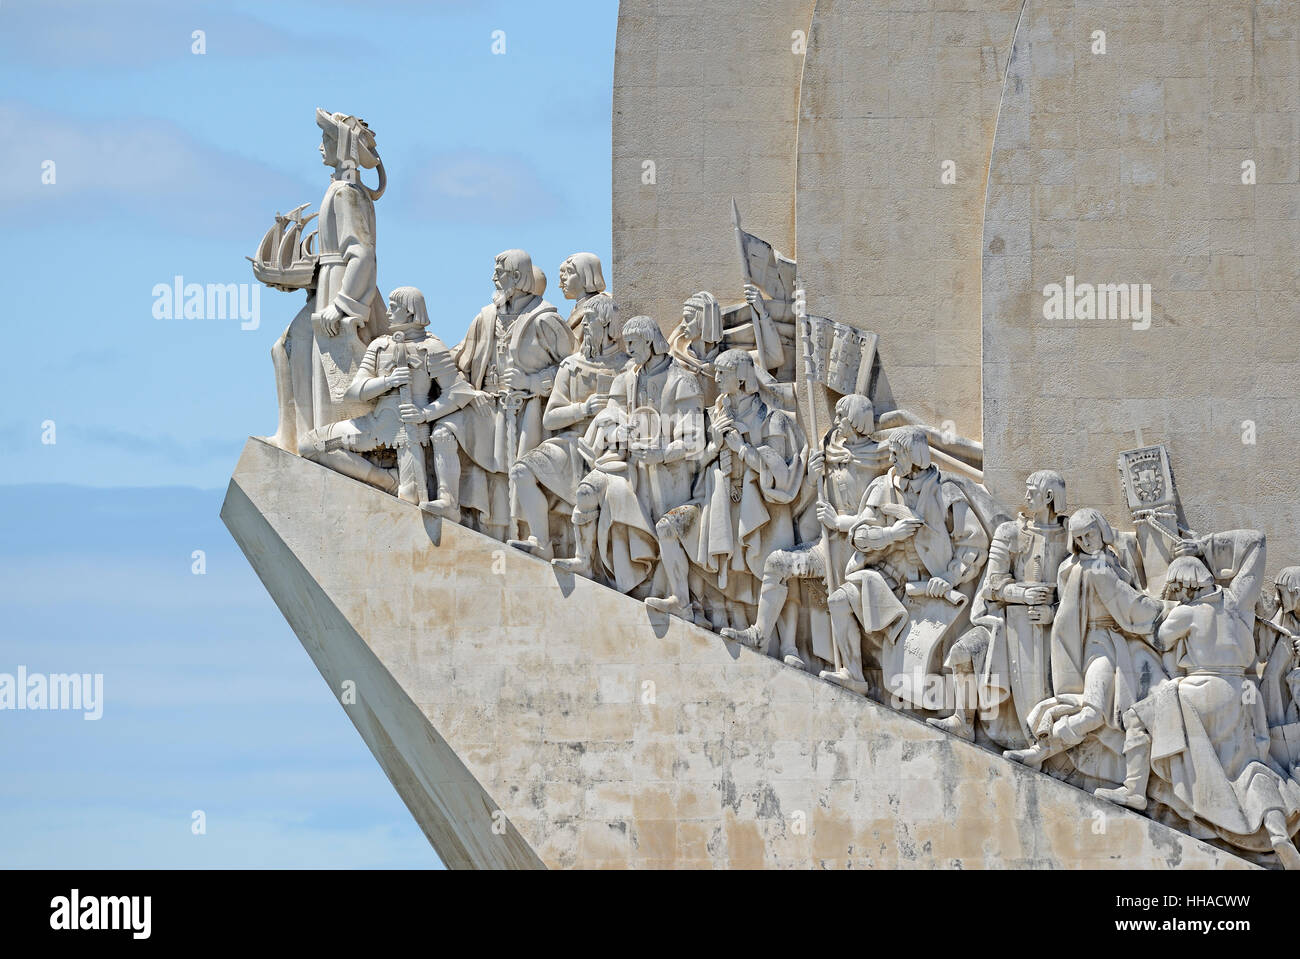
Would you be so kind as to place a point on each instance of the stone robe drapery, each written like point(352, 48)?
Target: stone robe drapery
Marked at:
point(1209, 731)
point(557, 462)
point(745, 514)
point(1097, 659)
point(321, 367)
point(534, 339)
point(1280, 705)
point(845, 484)
point(633, 498)
point(951, 543)
point(1011, 655)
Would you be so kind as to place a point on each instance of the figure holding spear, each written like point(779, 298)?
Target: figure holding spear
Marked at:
point(846, 461)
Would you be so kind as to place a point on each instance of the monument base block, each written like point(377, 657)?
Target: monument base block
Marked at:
point(529, 718)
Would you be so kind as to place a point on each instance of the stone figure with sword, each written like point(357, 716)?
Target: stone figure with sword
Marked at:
point(411, 379)
point(509, 357)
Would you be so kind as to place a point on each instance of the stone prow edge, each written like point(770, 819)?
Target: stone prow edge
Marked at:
point(452, 807)
point(447, 802)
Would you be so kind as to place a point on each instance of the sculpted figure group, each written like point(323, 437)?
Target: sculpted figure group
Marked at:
point(686, 471)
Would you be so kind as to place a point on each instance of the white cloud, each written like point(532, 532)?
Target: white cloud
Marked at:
point(127, 34)
point(476, 186)
point(103, 168)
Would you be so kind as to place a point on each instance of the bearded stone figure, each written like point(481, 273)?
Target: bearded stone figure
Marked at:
point(509, 357)
point(714, 547)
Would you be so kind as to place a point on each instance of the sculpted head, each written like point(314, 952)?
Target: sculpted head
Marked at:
point(701, 319)
point(1187, 579)
point(1288, 589)
point(909, 448)
point(1089, 532)
point(1045, 493)
point(539, 281)
point(734, 371)
point(580, 275)
point(513, 273)
point(406, 308)
point(643, 339)
point(346, 141)
point(600, 326)
point(855, 416)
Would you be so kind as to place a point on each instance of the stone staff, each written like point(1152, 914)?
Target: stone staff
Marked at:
point(812, 375)
point(412, 468)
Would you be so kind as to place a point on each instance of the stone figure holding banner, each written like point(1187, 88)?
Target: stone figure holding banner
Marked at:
point(917, 538)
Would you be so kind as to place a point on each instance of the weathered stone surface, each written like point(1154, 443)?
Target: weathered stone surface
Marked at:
point(709, 94)
point(487, 681)
point(1149, 190)
point(890, 94)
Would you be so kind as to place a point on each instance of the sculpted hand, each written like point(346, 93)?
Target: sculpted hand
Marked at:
point(1187, 547)
point(594, 404)
point(827, 516)
point(411, 413)
point(816, 464)
point(937, 587)
point(481, 400)
point(646, 453)
point(441, 367)
point(330, 317)
point(905, 528)
point(1041, 614)
point(401, 376)
point(1038, 595)
point(735, 442)
point(515, 380)
point(1295, 647)
point(753, 296)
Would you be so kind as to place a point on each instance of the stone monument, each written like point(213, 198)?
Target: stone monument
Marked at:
point(734, 582)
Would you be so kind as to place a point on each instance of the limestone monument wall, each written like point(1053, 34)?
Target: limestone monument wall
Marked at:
point(708, 93)
point(1127, 168)
point(519, 736)
point(888, 234)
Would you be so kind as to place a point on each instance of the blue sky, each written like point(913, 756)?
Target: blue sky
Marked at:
point(166, 163)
